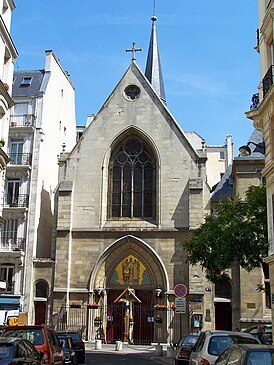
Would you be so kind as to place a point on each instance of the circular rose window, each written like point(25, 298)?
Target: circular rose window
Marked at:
point(132, 92)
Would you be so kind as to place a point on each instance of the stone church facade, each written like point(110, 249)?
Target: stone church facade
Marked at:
point(129, 194)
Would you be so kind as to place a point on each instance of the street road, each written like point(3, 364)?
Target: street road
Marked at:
point(96, 358)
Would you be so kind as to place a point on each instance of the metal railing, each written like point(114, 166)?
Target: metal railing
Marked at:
point(20, 159)
point(16, 201)
point(10, 288)
point(23, 120)
point(268, 80)
point(9, 244)
point(255, 101)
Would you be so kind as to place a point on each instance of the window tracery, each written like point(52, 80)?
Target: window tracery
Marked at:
point(132, 181)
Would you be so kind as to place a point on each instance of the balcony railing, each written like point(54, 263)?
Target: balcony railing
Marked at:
point(255, 100)
point(268, 80)
point(20, 159)
point(10, 288)
point(9, 244)
point(16, 201)
point(23, 120)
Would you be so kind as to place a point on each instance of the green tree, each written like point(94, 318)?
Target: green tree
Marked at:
point(237, 233)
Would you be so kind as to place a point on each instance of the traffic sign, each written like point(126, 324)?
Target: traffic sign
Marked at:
point(180, 290)
point(180, 305)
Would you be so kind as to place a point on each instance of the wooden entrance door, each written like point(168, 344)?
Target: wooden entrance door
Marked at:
point(223, 316)
point(40, 312)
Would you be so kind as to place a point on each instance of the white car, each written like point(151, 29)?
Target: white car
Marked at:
point(211, 344)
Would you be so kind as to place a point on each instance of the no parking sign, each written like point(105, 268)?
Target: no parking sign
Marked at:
point(180, 290)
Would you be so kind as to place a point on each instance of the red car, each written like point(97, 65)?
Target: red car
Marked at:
point(43, 338)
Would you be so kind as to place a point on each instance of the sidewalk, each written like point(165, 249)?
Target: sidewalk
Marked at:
point(153, 351)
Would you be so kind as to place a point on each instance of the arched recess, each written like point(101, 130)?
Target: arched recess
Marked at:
point(40, 301)
point(129, 263)
point(149, 146)
point(102, 275)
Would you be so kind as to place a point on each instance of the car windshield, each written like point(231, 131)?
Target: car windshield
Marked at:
point(6, 351)
point(261, 358)
point(32, 334)
point(218, 344)
point(75, 337)
point(189, 340)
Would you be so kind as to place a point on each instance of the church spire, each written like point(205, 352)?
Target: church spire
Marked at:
point(153, 66)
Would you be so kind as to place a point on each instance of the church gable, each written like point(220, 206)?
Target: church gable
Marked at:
point(149, 184)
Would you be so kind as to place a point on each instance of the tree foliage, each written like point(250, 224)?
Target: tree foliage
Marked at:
point(237, 233)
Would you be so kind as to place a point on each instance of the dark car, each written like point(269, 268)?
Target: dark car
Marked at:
point(78, 344)
point(244, 354)
point(43, 337)
point(2, 328)
point(19, 351)
point(184, 349)
point(266, 338)
point(68, 349)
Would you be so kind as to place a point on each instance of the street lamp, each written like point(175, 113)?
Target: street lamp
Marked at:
point(158, 292)
point(100, 291)
point(246, 151)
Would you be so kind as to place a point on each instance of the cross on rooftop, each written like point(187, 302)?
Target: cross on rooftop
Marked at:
point(133, 50)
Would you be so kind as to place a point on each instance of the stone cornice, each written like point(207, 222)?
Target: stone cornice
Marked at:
point(266, 105)
point(6, 95)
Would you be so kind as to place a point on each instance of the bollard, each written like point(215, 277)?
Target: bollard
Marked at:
point(98, 344)
point(169, 352)
point(118, 346)
point(158, 350)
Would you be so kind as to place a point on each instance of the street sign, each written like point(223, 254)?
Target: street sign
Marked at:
point(180, 290)
point(180, 305)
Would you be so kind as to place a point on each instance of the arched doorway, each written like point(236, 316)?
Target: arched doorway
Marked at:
point(130, 263)
point(40, 301)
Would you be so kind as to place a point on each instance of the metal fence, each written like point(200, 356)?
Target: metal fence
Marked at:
point(108, 323)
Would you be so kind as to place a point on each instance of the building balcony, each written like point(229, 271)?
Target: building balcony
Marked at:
point(268, 80)
point(10, 286)
point(20, 159)
point(23, 120)
point(9, 244)
point(255, 100)
point(16, 201)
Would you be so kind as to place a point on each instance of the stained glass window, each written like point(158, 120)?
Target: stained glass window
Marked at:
point(132, 181)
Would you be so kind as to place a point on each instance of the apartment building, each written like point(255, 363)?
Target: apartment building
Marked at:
point(8, 54)
point(41, 126)
point(262, 114)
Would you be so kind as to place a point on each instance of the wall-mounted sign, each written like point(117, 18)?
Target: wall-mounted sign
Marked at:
point(180, 305)
point(180, 290)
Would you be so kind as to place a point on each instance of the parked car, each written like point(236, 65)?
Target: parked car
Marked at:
point(211, 344)
point(266, 338)
point(78, 343)
point(19, 351)
point(68, 349)
point(184, 348)
point(247, 355)
point(43, 338)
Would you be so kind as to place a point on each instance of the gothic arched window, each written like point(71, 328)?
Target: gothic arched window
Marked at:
point(132, 181)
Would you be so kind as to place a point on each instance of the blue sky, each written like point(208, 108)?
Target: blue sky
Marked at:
point(209, 64)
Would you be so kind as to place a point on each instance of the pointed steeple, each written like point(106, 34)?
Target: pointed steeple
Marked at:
point(153, 67)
